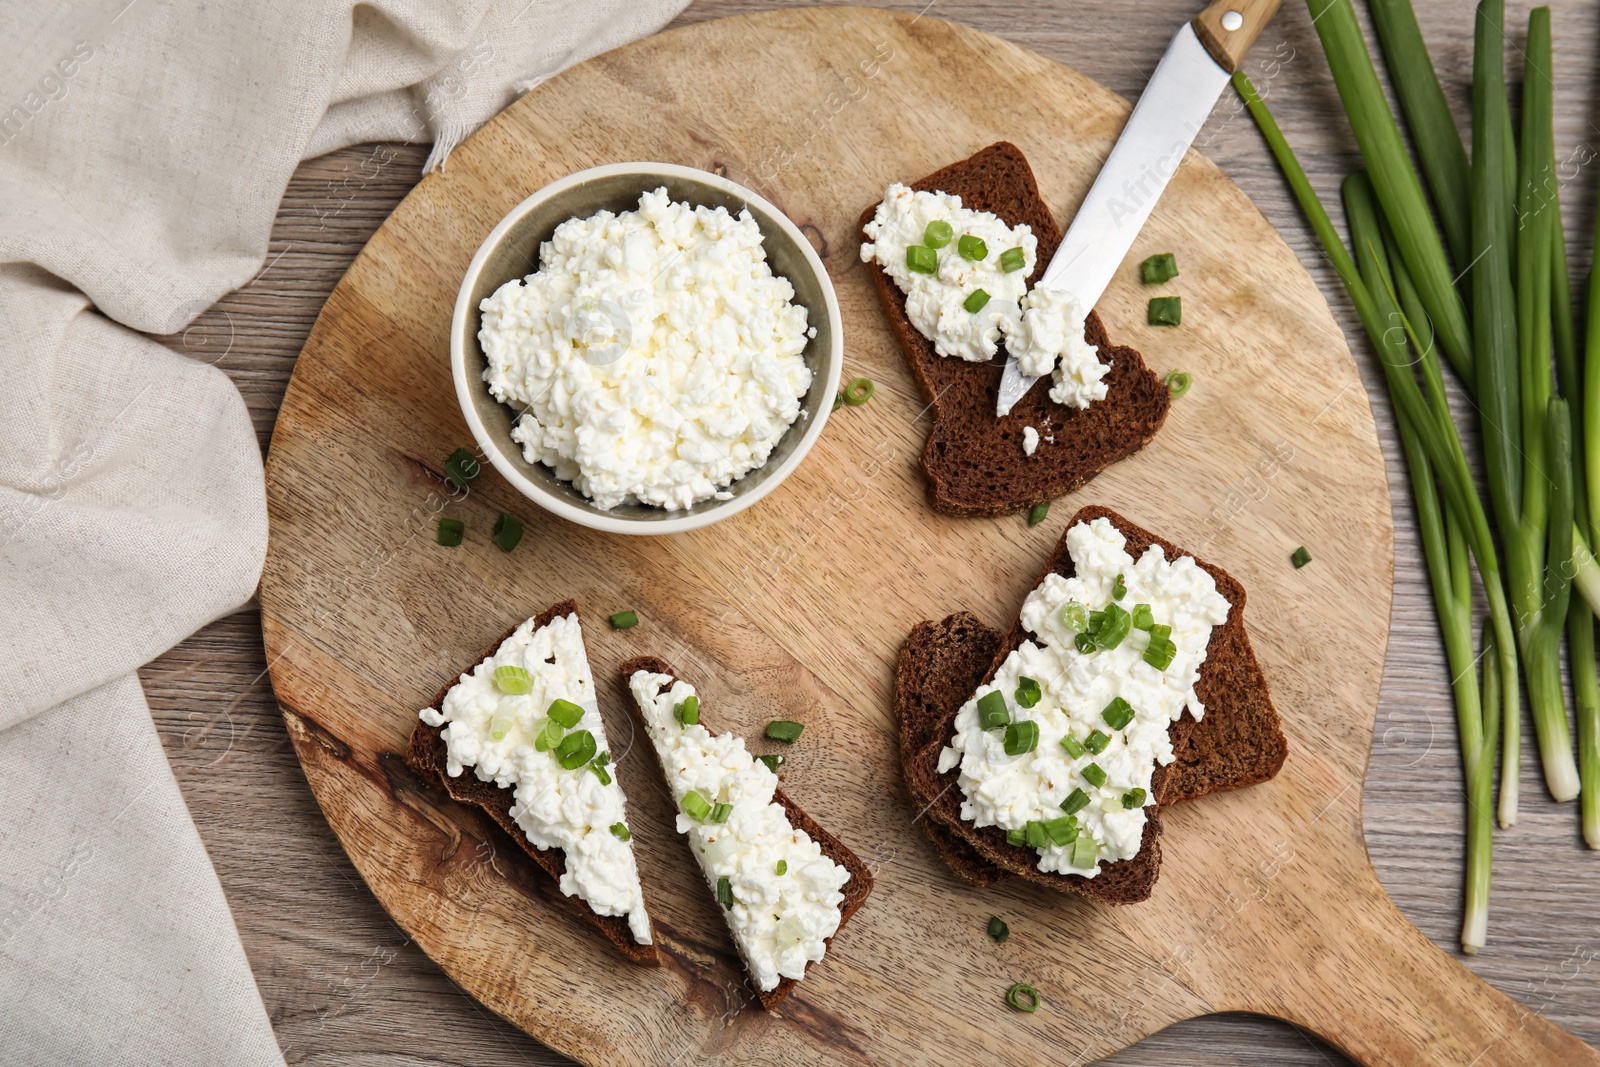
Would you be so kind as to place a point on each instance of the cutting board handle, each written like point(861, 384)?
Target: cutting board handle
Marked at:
point(1229, 27)
point(1370, 982)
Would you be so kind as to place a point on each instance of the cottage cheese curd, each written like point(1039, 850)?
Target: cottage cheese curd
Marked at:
point(1042, 328)
point(780, 921)
point(654, 355)
point(1030, 440)
point(494, 733)
point(1010, 791)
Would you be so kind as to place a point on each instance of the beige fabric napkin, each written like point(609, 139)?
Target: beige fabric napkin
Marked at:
point(144, 147)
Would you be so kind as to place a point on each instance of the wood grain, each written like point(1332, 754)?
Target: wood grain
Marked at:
point(341, 982)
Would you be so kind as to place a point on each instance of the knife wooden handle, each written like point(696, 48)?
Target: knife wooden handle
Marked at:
point(1229, 27)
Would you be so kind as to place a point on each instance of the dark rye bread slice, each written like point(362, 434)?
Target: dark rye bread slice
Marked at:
point(426, 755)
point(973, 461)
point(855, 890)
point(1240, 741)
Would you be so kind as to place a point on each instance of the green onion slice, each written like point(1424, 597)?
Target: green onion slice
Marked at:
point(695, 806)
point(687, 710)
point(1133, 798)
point(1037, 514)
point(1119, 588)
point(920, 259)
point(720, 811)
point(1016, 837)
point(1073, 746)
point(550, 736)
point(1074, 616)
point(1063, 831)
point(725, 891)
point(1084, 851)
point(1166, 311)
point(972, 248)
point(621, 832)
point(938, 234)
point(992, 713)
point(998, 929)
point(1028, 692)
point(1013, 259)
point(1300, 557)
point(1096, 742)
point(1142, 618)
point(975, 301)
point(1035, 834)
point(451, 531)
point(838, 400)
point(1022, 737)
point(1023, 997)
point(784, 730)
point(1083, 643)
point(499, 726)
point(1159, 269)
point(1117, 714)
point(1178, 382)
point(1076, 801)
point(1093, 774)
point(773, 760)
point(576, 749)
point(564, 712)
point(1114, 626)
point(858, 391)
point(782, 867)
point(513, 680)
point(624, 619)
point(507, 532)
point(461, 467)
point(1159, 653)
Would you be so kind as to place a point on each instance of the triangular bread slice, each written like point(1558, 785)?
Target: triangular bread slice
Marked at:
point(973, 462)
point(855, 890)
point(426, 755)
point(1239, 742)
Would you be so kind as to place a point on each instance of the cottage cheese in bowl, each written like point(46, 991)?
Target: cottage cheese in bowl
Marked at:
point(654, 357)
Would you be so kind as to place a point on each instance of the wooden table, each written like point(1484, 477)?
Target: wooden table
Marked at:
point(341, 981)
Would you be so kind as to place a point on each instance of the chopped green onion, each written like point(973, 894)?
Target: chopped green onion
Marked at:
point(1159, 652)
point(450, 532)
point(1133, 798)
point(998, 929)
point(1160, 632)
point(1035, 834)
point(920, 259)
point(1074, 616)
point(1166, 311)
point(1076, 801)
point(1028, 692)
point(1178, 382)
point(461, 467)
point(621, 832)
point(598, 766)
point(1023, 997)
point(858, 391)
point(1300, 557)
point(782, 867)
point(1084, 851)
point(1142, 618)
point(1114, 626)
point(1073, 746)
point(575, 749)
point(1017, 838)
point(1037, 514)
point(1117, 714)
point(1062, 831)
point(564, 712)
point(1119, 588)
point(513, 680)
point(1096, 742)
point(499, 726)
point(687, 710)
point(1083, 643)
point(624, 619)
point(507, 532)
point(992, 713)
point(1022, 737)
point(975, 301)
point(1159, 269)
point(784, 730)
point(1093, 774)
point(972, 248)
point(773, 760)
point(695, 806)
point(720, 811)
point(938, 234)
point(838, 400)
point(550, 736)
point(1012, 259)
point(725, 891)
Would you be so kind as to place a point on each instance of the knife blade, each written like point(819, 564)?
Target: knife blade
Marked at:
point(1170, 112)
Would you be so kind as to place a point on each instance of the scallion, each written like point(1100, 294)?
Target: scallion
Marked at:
point(992, 711)
point(1023, 997)
point(451, 531)
point(1178, 382)
point(725, 891)
point(1038, 513)
point(1159, 269)
point(998, 929)
point(687, 710)
point(576, 749)
point(938, 234)
point(772, 760)
point(1300, 557)
point(507, 532)
point(1028, 692)
point(972, 248)
point(1012, 259)
point(858, 391)
point(564, 712)
point(1021, 737)
point(975, 301)
point(621, 832)
point(461, 467)
point(513, 680)
point(1096, 742)
point(1093, 774)
point(1117, 714)
point(695, 806)
point(784, 730)
point(1076, 801)
point(1166, 311)
point(1072, 746)
point(1133, 798)
point(624, 619)
point(920, 259)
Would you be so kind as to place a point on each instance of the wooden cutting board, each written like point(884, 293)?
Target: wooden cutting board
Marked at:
point(796, 608)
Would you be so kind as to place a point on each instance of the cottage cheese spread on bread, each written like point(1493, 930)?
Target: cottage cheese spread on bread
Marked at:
point(1042, 328)
point(654, 355)
point(497, 734)
point(1071, 689)
point(781, 921)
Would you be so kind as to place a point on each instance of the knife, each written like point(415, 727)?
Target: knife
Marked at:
point(1163, 125)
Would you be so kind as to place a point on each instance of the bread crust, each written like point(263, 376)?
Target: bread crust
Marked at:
point(1240, 741)
point(426, 754)
point(973, 462)
point(856, 889)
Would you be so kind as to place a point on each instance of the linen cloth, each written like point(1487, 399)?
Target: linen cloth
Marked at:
point(144, 148)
